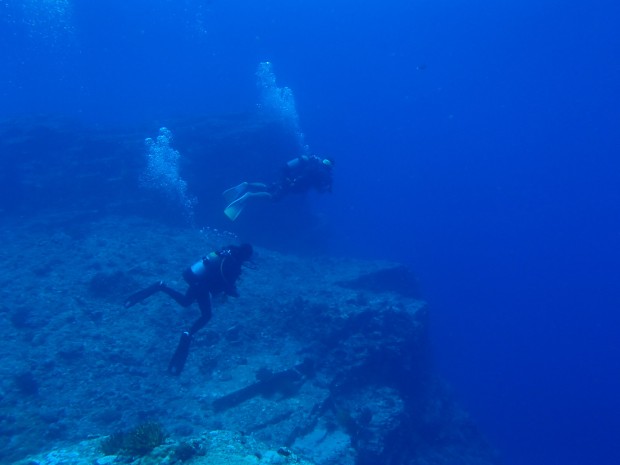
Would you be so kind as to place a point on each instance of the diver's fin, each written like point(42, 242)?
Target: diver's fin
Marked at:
point(139, 296)
point(177, 362)
point(233, 210)
point(232, 194)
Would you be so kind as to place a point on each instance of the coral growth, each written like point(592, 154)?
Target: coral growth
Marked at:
point(137, 442)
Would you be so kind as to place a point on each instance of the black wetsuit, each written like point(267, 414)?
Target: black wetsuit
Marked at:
point(214, 274)
point(302, 174)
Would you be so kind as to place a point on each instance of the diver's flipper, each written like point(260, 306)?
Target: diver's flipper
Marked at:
point(232, 194)
point(175, 367)
point(139, 296)
point(233, 210)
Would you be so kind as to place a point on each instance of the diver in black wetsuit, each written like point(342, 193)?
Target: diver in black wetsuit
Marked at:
point(299, 175)
point(216, 273)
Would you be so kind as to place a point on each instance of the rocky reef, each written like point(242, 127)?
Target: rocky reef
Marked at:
point(320, 360)
point(209, 448)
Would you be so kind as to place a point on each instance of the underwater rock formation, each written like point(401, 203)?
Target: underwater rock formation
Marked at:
point(49, 163)
point(334, 374)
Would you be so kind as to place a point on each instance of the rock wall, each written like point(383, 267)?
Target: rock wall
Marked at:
point(49, 164)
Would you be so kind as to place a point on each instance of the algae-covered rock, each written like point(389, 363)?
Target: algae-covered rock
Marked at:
point(212, 448)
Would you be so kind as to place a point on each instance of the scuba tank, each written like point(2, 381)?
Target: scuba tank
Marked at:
point(198, 271)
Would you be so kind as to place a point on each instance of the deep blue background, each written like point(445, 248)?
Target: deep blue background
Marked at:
point(477, 142)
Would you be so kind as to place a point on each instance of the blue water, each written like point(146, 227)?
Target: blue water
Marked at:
point(476, 142)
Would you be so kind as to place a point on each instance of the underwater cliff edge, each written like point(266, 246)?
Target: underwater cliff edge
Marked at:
point(325, 356)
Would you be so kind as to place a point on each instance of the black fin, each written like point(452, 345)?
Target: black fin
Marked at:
point(175, 367)
point(139, 296)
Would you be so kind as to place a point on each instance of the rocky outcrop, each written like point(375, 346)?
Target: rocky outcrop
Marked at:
point(325, 357)
point(209, 448)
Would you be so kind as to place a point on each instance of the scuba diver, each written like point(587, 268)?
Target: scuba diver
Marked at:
point(299, 175)
point(217, 273)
